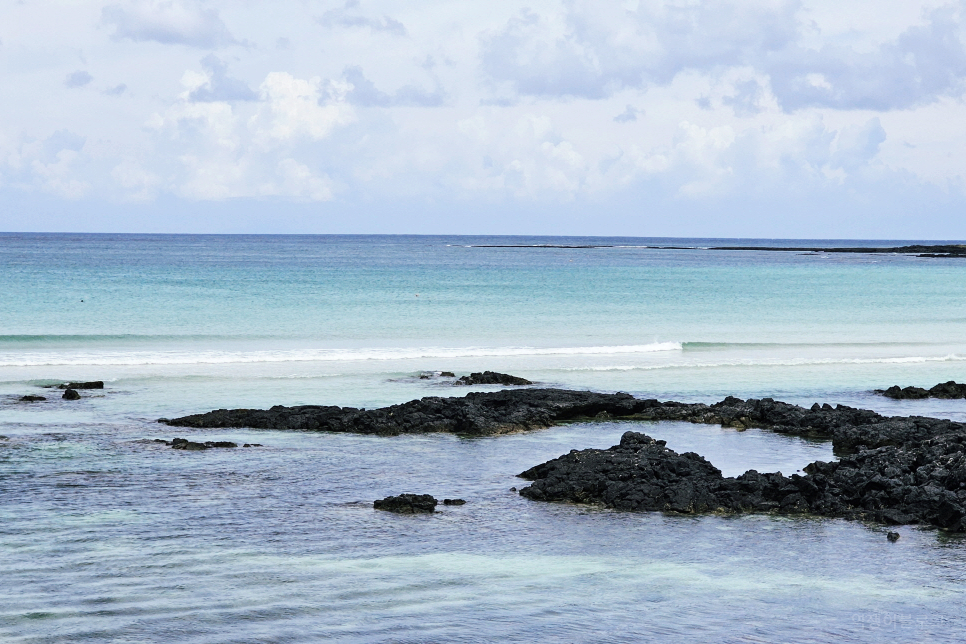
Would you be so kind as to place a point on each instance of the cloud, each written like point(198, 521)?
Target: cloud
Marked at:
point(922, 64)
point(592, 51)
point(168, 22)
point(272, 146)
point(78, 79)
point(219, 86)
point(628, 115)
point(117, 90)
point(347, 17)
point(365, 94)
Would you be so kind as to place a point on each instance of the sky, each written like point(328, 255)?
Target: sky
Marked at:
point(759, 118)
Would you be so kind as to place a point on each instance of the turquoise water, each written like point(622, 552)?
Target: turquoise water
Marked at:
point(106, 536)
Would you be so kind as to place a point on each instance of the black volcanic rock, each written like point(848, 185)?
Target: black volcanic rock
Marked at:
point(501, 412)
point(915, 483)
point(30, 398)
point(185, 444)
point(476, 414)
point(407, 504)
point(94, 384)
point(491, 378)
point(946, 390)
point(70, 394)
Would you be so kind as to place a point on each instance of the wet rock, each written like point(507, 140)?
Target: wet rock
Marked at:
point(501, 412)
point(893, 536)
point(407, 504)
point(950, 390)
point(476, 414)
point(447, 374)
point(491, 378)
point(30, 398)
point(183, 443)
point(252, 445)
point(454, 502)
point(70, 394)
point(922, 482)
point(94, 384)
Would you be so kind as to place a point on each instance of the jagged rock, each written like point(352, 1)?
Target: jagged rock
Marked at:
point(184, 443)
point(30, 398)
point(94, 384)
point(407, 504)
point(912, 483)
point(491, 378)
point(947, 390)
point(501, 412)
point(454, 502)
point(70, 394)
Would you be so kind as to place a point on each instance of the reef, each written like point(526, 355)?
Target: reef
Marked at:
point(407, 504)
point(507, 411)
point(947, 390)
point(916, 482)
point(491, 378)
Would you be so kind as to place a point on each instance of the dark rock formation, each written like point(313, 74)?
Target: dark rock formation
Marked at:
point(917, 482)
point(947, 390)
point(893, 537)
point(491, 378)
point(920, 250)
point(184, 443)
point(407, 504)
point(447, 374)
point(501, 412)
point(454, 502)
point(94, 384)
point(29, 398)
point(476, 414)
point(70, 394)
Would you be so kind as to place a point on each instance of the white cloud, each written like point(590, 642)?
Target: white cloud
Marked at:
point(167, 22)
point(525, 107)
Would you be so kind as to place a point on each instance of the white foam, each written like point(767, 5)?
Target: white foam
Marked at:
point(135, 358)
point(796, 362)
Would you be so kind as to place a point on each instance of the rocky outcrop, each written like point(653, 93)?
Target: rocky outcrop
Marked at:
point(185, 444)
point(491, 378)
point(476, 414)
point(94, 384)
point(501, 412)
point(30, 398)
point(922, 482)
point(70, 394)
point(407, 504)
point(946, 390)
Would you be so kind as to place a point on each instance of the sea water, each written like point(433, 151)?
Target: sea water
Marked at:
point(107, 536)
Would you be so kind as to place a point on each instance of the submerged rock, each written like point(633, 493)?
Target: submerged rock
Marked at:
point(94, 384)
point(70, 394)
point(893, 536)
point(946, 390)
point(407, 504)
point(914, 483)
point(185, 444)
point(454, 502)
point(30, 398)
point(491, 378)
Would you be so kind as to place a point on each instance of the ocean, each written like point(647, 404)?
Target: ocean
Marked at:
point(108, 536)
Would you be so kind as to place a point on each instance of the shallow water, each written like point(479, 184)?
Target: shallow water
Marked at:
point(106, 536)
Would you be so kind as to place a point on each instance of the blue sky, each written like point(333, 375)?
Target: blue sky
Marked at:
point(684, 118)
